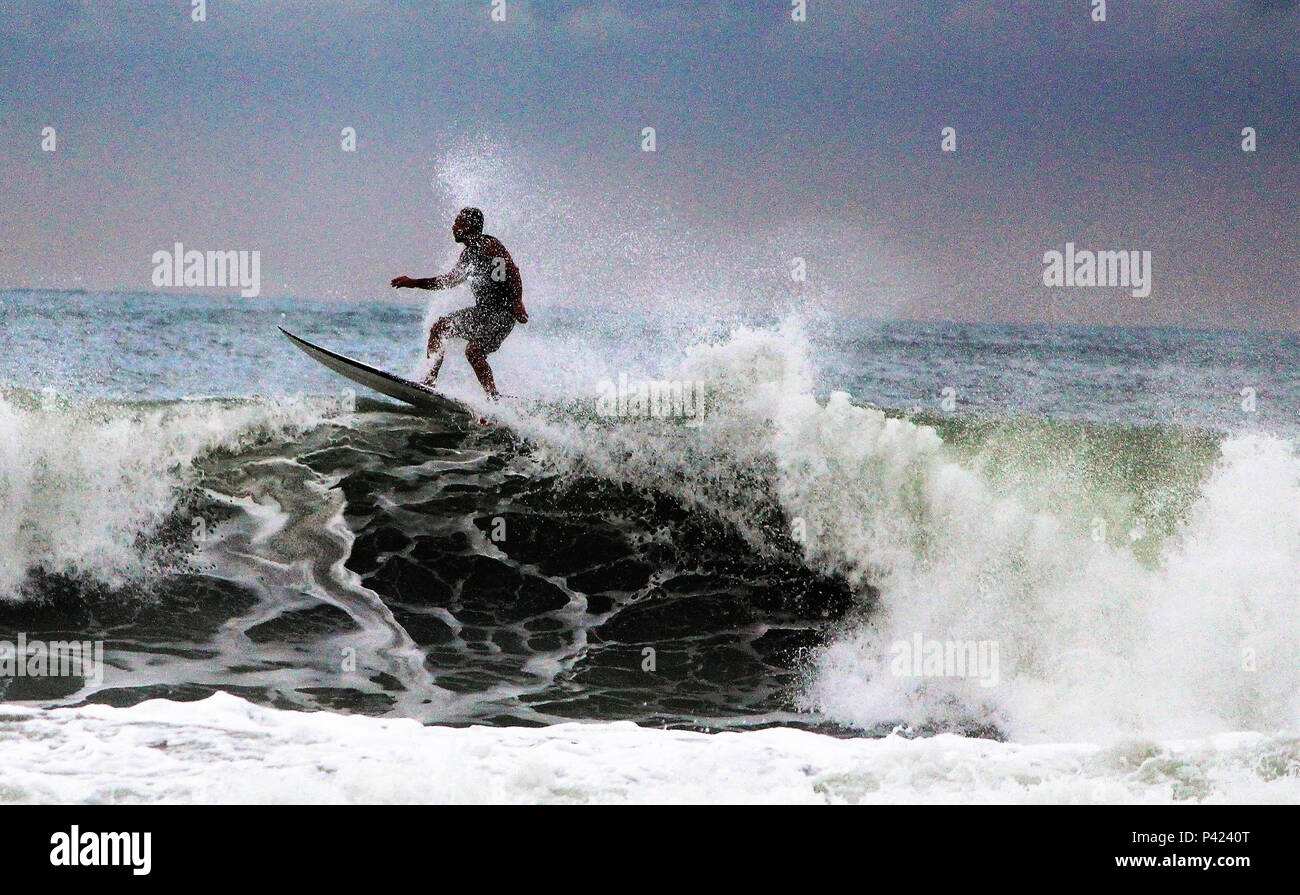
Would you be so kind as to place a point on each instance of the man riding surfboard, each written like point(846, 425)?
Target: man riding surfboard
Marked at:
point(498, 299)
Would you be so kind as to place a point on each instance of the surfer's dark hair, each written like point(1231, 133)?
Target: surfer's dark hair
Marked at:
point(473, 219)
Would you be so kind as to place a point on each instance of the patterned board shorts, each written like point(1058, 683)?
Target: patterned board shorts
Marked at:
point(488, 330)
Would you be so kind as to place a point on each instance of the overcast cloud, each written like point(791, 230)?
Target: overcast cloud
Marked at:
point(776, 139)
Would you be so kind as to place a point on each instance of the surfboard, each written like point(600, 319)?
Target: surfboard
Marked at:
point(375, 379)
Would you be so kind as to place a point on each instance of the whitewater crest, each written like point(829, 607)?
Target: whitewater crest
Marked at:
point(82, 485)
point(1092, 642)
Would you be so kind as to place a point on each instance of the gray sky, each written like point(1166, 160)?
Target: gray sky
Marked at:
point(776, 139)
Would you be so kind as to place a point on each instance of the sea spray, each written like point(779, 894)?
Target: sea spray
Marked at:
point(1094, 642)
point(82, 486)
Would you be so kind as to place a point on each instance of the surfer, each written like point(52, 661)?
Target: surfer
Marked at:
point(498, 299)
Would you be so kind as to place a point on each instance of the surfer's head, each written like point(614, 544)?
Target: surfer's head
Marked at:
point(469, 223)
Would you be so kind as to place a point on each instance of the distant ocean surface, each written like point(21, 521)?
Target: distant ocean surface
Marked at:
point(132, 346)
point(1111, 515)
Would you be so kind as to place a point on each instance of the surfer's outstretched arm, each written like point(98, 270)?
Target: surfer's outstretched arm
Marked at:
point(457, 275)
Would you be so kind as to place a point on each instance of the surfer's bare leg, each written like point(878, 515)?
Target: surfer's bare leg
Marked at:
point(437, 333)
point(478, 360)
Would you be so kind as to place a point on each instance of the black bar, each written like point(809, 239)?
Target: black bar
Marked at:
point(315, 844)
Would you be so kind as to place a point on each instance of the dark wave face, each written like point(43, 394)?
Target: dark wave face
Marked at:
point(423, 568)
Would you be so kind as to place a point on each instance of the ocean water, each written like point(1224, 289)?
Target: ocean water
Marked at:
point(554, 603)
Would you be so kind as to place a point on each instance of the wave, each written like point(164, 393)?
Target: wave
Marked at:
point(1145, 583)
point(1120, 580)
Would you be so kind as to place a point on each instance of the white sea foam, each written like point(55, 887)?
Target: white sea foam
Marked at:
point(223, 749)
